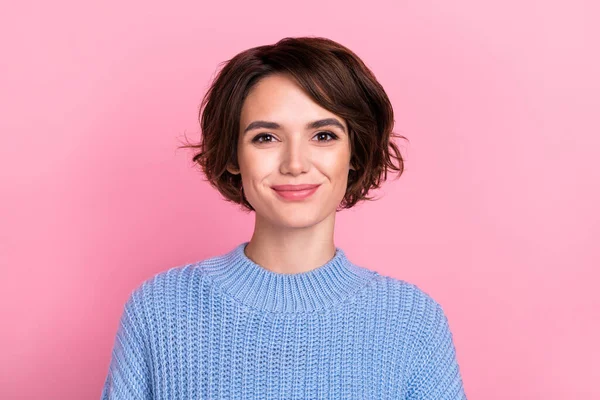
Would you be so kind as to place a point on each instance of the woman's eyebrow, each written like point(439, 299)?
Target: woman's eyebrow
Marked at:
point(311, 125)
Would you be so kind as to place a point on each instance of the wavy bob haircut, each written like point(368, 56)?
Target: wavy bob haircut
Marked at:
point(335, 78)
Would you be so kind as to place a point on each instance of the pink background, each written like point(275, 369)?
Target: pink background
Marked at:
point(496, 215)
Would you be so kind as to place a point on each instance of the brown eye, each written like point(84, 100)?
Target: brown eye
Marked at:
point(262, 135)
point(324, 134)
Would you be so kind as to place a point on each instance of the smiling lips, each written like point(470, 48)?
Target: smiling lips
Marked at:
point(295, 192)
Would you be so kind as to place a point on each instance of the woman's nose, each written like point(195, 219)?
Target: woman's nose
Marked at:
point(295, 159)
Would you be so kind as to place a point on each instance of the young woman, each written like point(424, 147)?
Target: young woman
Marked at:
point(294, 132)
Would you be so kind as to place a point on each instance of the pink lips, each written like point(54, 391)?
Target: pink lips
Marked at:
point(295, 192)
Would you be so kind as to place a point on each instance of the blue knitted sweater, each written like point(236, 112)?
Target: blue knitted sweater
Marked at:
point(227, 328)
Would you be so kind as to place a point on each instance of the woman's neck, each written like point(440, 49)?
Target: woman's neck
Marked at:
point(291, 250)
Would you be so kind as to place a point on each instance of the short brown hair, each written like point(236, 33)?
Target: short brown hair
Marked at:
point(334, 77)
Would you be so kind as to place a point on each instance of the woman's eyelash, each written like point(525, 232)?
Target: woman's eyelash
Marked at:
point(333, 135)
point(262, 135)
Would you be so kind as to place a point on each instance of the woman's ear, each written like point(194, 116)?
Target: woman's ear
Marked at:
point(231, 169)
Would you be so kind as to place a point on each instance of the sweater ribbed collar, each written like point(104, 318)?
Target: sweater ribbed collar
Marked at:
point(257, 287)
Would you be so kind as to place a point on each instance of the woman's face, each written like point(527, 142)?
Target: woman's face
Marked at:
point(288, 151)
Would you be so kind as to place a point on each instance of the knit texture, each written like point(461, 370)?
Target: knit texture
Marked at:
point(227, 328)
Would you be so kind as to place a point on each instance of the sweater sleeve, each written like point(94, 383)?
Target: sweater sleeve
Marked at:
point(128, 372)
point(435, 373)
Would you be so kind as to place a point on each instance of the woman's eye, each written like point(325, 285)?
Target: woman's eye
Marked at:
point(324, 134)
point(262, 138)
point(262, 135)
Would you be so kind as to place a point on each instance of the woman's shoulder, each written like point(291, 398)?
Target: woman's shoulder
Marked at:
point(407, 296)
point(170, 283)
